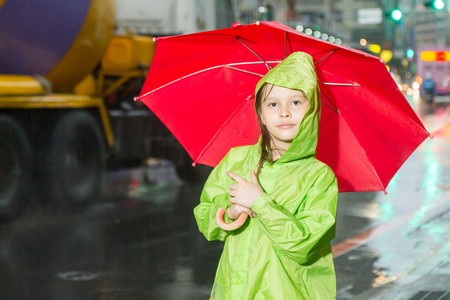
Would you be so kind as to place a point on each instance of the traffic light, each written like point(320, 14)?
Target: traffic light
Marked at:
point(396, 15)
point(409, 54)
point(435, 4)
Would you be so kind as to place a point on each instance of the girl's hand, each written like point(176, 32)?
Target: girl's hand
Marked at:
point(235, 210)
point(244, 193)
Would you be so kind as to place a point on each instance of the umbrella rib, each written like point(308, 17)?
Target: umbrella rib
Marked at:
point(208, 69)
point(186, 76)
point(378, 95)
point(368, 159)
point(178, 79)
point(376, 174)
point(389, 103)
point(335, 108)
point(332, 52)
point(341, 84)
point(244, 71)
point(290, 45)
point(220, 129)
point(285, 44)
point(345, 78)
point(267, 65)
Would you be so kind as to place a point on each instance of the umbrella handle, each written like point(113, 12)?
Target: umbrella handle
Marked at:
point(229, 226)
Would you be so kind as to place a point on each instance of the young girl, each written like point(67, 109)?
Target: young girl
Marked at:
point(283, 251)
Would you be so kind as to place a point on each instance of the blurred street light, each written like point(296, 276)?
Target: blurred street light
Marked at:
point(435, 4)
point(410, 53)
point(396, 15)
point(375, 48)
point(439, 4)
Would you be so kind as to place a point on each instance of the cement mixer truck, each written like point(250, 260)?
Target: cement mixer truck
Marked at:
point(66, 102)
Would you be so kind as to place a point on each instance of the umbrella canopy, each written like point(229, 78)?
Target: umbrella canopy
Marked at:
point(202, 86)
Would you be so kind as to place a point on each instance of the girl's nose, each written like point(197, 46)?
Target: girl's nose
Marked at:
point(284, 113)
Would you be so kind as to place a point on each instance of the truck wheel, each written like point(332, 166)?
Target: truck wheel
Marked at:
point(15, 166)
point(77, 161)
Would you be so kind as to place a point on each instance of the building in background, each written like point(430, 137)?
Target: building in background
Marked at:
point(348, 20)
point(424, 24)
point(430, 26)
point(251, 11)
point(368, 25)
point(172, 17)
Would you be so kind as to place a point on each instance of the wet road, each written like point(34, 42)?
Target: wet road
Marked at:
point(141, 241)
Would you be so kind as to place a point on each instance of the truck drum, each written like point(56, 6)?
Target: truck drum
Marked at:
point(77, 160)
point(15, 167)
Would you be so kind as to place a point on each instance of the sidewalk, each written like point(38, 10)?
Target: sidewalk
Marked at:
point(429, 276)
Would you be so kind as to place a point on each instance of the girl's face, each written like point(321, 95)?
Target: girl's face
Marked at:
point(282, 112)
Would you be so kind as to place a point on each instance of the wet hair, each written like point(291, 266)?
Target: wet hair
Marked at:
point(266, 146)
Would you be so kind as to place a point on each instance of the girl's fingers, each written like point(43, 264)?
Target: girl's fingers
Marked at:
point(240, 209)
point(235, 177)
point(249, 212)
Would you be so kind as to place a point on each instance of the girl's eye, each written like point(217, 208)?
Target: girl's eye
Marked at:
point(272, 104)
point(296, 102)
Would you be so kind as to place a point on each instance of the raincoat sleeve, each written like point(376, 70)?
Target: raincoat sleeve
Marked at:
point(301, 235)
point(214, 195)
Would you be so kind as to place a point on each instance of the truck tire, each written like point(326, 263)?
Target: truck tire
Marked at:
point(77, 161)
point(15, 166)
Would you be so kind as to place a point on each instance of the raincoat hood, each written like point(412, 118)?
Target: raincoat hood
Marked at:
point(297, 71)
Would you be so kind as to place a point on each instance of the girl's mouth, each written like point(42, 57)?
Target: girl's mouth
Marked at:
point(285, 126)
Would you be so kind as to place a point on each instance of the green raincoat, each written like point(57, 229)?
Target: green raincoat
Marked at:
point(284, 252)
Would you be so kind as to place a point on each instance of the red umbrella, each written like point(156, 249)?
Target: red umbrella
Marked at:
point(202, 86)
